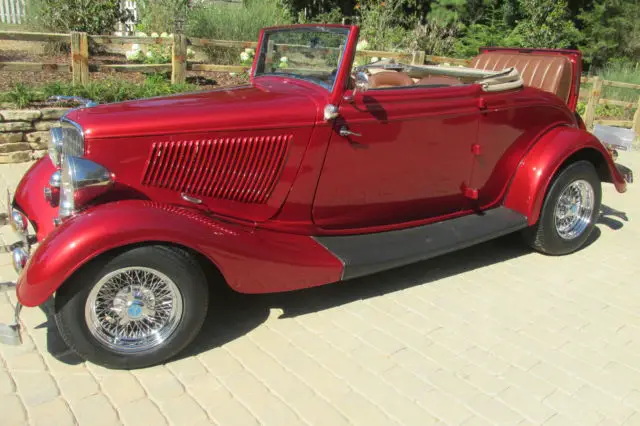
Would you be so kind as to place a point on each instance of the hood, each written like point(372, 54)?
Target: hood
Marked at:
point(239, 107)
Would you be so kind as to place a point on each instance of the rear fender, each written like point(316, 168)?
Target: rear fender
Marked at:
point(251, 260)
point(558, 147)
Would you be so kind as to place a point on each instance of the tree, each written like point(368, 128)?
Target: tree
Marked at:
point(309, 9)
point(611, 29)
point(545, 23)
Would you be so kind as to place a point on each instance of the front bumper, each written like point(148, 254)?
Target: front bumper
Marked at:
point(10, 334)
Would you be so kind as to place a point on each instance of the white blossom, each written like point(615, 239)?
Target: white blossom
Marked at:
point(244, 56)
point(140, 34)
point(131, 54)
point(374, 59)
point(284, 59)
point(154, 34)
point(149, 54)
point(164, 35)
point(362, 45)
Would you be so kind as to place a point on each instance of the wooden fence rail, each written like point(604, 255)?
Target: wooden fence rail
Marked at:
point(81, 68)
point(594, 98)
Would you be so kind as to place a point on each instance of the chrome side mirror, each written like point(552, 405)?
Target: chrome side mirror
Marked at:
point(362, 82)
point(330, 112)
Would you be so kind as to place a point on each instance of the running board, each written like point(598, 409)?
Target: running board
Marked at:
point(370, 253)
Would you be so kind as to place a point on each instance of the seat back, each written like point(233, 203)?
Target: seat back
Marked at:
point(551, 73)
point(389, 79)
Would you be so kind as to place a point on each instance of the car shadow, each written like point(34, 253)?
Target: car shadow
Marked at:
point(237, 314)
point(612, 218)
point(232, 315)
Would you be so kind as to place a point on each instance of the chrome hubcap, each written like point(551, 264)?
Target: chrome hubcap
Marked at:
point(133, 309)
point(574, 209)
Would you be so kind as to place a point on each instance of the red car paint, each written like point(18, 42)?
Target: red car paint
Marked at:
point(29, 196)
point(535, 172)
point(272, 173)
point(252, 260)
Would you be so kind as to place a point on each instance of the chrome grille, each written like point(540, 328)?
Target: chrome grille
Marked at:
point(72, 138)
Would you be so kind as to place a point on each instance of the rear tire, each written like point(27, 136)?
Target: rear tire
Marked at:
point(569, 212)
point(135, 309)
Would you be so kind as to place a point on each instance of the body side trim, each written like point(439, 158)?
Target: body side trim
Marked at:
point(370, 253)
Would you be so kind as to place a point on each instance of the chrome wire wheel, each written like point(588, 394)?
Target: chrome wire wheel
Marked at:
point(574, 209)
point(133, 309)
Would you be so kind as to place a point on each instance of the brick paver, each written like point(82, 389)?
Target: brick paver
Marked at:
point(494, 334)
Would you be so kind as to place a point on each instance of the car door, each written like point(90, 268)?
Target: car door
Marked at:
point(408, 158)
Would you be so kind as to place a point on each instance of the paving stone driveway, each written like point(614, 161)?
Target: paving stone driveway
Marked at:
point(494, 334)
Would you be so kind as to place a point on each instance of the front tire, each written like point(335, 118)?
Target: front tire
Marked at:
point(138, 308)
point(570, 211)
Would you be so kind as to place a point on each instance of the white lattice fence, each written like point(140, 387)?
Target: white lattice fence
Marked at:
point(12, 11)
point(128, 27)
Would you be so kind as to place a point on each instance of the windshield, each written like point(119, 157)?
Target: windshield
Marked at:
point(309, 53)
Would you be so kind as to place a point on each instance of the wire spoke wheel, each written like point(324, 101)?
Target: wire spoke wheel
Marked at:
point(574, 209)
point(133, 309)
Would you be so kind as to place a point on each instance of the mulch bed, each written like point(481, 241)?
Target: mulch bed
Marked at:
point(34, 52)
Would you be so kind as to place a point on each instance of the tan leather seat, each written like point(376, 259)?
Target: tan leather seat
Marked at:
point(439, 80)
point(389, 79)
point(551, 73)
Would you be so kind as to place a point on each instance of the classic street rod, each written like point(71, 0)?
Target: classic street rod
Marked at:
point(315, 172)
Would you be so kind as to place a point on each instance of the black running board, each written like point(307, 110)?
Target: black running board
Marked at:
point(369, 253)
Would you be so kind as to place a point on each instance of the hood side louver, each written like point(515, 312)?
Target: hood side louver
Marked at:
point(236, 169)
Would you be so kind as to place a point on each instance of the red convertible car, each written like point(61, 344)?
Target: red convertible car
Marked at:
point(316, 171)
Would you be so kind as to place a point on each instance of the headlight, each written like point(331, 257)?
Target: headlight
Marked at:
point(66, 139)
point(82, 181)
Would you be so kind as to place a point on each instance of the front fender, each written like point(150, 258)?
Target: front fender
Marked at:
point(536, 170)
point(29, 197)
point(251, 260)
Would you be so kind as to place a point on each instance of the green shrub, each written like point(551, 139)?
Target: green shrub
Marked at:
point(384, 26)
point(21, 95)
point(229, 22)
point(160, 15)
point(434, 38)
point(624, 71)
point(93, 17)
point(101, 91)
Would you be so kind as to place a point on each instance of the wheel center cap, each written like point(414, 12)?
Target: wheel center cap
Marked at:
point(134, 311)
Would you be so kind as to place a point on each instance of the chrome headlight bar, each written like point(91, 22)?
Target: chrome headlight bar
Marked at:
point(81, 181)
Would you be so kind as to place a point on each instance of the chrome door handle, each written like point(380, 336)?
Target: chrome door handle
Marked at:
point(344, 132)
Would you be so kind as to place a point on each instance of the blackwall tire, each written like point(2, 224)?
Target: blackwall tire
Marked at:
point(136, 309)
point(570, 211)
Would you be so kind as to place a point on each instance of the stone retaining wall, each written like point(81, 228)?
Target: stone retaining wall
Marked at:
point(24, 133)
